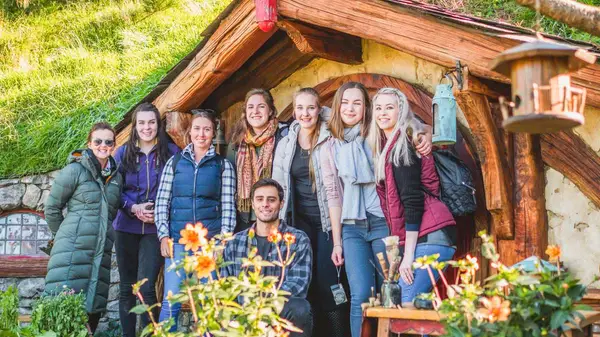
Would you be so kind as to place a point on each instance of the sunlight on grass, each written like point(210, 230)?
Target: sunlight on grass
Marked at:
point(67, 65)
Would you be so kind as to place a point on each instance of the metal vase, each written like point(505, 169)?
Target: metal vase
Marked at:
point(391, 294)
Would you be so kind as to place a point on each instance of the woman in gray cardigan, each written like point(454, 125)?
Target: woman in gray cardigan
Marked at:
point(297, 168)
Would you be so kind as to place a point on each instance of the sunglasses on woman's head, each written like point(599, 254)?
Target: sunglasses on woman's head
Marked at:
point(107, 142)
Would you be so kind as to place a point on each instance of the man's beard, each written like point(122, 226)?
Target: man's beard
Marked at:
point(267, 219)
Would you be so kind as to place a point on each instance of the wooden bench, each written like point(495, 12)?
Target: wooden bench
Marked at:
point(381, 322)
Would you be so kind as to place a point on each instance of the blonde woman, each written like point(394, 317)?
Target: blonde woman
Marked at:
point(408, 188)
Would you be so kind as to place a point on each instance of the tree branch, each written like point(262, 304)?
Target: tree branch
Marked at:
point(572, 13)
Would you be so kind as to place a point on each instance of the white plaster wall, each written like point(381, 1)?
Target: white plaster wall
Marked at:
point(590, 130)
point(574, 225)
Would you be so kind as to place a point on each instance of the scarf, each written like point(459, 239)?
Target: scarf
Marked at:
point(252, 167)
point(103, 173)
point(353, 161)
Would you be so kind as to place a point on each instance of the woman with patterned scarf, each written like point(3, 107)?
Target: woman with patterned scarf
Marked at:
point(252, 148)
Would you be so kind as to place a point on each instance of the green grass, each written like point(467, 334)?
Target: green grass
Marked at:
point(511, 12)
point(65, 65)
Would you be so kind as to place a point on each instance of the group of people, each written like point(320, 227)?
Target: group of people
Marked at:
point(340, 179)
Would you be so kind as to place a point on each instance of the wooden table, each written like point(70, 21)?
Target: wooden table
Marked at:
point(405, 320)
point(381, 322)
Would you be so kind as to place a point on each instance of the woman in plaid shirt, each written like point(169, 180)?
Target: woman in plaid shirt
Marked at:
point(197, 185)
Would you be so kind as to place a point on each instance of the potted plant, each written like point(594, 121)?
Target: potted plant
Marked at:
point(513, 302)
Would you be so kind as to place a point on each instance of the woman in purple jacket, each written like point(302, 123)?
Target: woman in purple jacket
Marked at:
point(408, 188)
point(141, 161)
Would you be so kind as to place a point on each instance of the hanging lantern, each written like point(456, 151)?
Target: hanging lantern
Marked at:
point(219, 135)
point(443, 110)
point(543, 99)
point(266, 14)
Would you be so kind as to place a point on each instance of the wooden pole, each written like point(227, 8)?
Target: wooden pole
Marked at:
point(531, 222)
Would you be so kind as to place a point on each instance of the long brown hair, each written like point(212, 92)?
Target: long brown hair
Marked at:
point(241, 126)
point(130, 157)
point(314, 136)
point(336, 125)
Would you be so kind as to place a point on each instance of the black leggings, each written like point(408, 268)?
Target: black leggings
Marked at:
point(138, 257)
point(330, 319)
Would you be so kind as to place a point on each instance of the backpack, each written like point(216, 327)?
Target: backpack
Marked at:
point(456, 183)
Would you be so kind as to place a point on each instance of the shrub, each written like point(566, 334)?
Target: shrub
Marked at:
point(533, 298)
point(63, 313)
point(9, 309)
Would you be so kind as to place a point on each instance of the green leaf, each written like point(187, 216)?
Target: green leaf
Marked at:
point(558, 318)
point(139, 309)
point(48, 334)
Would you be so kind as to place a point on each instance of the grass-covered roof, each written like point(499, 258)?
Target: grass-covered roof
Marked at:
point(65, 65)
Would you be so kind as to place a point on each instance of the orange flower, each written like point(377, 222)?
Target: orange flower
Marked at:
point(275, 236)
point(494, 309)
point(193, 237)
point(204, 266)
point(553, 253)
point(289, 238)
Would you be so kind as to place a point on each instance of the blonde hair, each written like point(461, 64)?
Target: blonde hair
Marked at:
point(314, 136)
point(407, 125)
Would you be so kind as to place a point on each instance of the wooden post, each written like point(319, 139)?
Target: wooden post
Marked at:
point(531, 222)
point(492, 155)
point(177, 125)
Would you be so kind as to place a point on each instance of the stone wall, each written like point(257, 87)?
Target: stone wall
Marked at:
point(30, 193)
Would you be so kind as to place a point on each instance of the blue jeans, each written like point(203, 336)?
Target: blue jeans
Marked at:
point(361, 243)
point(173, 280)
point(422, 283)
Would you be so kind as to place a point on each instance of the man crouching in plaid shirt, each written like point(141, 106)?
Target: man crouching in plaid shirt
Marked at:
point(267, 200)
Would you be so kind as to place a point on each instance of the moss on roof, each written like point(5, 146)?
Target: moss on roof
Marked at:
point(65, 65)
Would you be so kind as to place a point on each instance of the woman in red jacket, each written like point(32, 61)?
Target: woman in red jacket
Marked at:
point(408, 188)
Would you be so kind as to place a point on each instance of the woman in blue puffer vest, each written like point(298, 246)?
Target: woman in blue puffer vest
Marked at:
point(197, 185)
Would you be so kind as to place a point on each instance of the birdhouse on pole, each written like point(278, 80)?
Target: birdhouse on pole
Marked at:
point(266, 14)
point(543, 99)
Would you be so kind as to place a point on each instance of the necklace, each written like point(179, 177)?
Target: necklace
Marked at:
point(304, 153)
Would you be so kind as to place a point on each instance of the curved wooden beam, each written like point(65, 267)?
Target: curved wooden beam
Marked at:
point(494, 165)
point(325, 43)
point(235, 40)
point(408, 29)
point(420, 100)
point(575, 159)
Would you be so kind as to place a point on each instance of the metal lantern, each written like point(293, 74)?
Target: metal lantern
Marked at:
point(219, 135)
point(266, 14)
point(543, 99)
point(443, 110)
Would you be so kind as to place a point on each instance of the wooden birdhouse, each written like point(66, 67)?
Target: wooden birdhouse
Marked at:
point(543, 99)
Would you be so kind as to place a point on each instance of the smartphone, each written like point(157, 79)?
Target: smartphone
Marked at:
point(150, 207)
